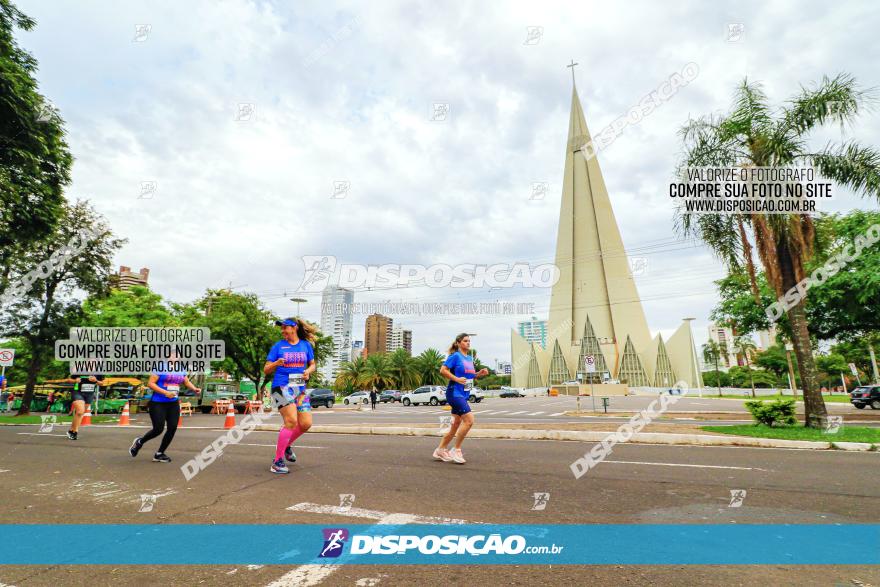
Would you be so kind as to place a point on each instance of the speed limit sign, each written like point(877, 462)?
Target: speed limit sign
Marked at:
point(589, 363)
point(6, 357)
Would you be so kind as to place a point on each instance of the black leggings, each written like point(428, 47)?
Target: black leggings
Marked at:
point(162, 413)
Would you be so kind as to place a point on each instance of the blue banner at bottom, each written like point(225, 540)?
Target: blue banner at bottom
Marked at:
point(601, 544)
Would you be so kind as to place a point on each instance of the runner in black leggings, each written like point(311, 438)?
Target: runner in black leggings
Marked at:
point(164, 410)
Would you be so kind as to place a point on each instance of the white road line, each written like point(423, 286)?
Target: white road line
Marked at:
point(310, 575)
point(517, 413)
point(535, 413)
point(40, 434)
point(557, 414)
point(684, 465)
point(273, 445)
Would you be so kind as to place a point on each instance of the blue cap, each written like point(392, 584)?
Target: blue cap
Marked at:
point(286, 322)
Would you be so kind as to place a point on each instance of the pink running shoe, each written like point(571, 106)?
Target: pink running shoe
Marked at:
point(457, 456)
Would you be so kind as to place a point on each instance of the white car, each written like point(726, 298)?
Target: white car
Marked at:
point(476, 395)
point(426, 394)
point(358, 397)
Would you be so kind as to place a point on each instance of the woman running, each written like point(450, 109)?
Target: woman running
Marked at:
point(292, 359)
point(83, 394)
point(164, 408)
point(459, 370)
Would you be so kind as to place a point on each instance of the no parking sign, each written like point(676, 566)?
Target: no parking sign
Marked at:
point(6, 357)
point(589, 363)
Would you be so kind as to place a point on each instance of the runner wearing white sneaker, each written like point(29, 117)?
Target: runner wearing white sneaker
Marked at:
point(459, 370)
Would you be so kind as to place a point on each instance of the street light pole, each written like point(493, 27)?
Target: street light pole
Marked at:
point(298, 302)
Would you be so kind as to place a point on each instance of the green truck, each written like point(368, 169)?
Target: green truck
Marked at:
point(239, 393)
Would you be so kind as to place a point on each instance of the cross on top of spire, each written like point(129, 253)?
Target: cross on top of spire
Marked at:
point(571, 65)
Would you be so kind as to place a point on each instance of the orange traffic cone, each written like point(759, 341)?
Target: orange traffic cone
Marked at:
point(125, 418)
point(87, 417)
point(230, 417)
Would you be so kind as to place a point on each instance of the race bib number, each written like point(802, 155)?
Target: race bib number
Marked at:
point(175, 389)
point(469, 385)
point(87, 387)
point(296, 380)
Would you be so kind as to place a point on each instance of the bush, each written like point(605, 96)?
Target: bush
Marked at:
point(710, 379)
point(778, 412)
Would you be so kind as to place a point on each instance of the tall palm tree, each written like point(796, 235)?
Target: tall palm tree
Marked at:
point(404, 370)
point(376, 373)
point(745, 346)
point(752, 135)
point(349, 374)
point(428, 364)
point(712, 353)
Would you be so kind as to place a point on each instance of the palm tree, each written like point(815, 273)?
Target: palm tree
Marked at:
point(377, 372)
point(349, 374)
point(404, 370)
point(712, 353)
point(752, 135)
point(745, 346)
point(428, 364)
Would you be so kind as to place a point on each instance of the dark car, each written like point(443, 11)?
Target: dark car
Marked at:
point(511, 393)
point(389, 395)
point(322, 397)
point(866, 395)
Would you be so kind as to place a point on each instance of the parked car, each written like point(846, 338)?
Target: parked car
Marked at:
point(511, 393)
point(390, 395)
point(426, 394)
point(358, 397)
point(322, 397)
point(866, 395)
point(476, 395)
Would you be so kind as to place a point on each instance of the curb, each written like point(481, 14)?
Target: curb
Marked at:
point(596, 436)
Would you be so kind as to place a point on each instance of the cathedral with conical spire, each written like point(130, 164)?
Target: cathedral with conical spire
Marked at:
point(595, 307)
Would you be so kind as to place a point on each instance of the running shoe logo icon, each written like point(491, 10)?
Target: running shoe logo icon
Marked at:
point(318, 270)
point(334, 540)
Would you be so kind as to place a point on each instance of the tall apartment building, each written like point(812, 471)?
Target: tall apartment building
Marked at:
point(400, 339)
point(125, 279)
point(357, 349)
point(377, 333)
point(336, 321)
point(534, 330)
point(724, 336)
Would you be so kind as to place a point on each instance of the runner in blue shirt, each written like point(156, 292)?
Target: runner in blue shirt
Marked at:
point(292, 360)
point(460, 371)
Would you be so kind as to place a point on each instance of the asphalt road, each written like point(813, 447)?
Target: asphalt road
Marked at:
point(46, 478)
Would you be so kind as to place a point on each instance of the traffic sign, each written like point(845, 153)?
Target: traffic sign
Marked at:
point(6, 357)
point(589, 363)
point(852, 367)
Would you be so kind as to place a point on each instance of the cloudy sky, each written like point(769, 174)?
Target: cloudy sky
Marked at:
point(345, 92)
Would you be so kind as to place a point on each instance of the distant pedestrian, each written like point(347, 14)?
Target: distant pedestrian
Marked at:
point(373, 399)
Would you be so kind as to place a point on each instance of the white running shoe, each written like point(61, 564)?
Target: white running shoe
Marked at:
point(441, 454)
point(457, 456)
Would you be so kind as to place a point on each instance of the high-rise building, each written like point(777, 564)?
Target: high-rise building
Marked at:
point(595, 308)
point(377, 332)
point(125, 279)
point(724, 335)
point(357, 349)
point(767, 338)
point(534, 330)
point(336, 321)
point(400, 339)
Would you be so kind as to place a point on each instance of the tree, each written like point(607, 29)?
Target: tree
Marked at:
point(750, 136)
point(137, 307)
point(404, 370)
point(773, 359)
point(745, 346)
point(46, 312)
point(833, 365)
point(350, 373)
point(712, 353)
point(376, 373)
point(34, 158)
point(428, 364)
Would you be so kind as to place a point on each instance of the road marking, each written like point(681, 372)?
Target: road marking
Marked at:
point(274, 445)
point(684, 465)
point(557, 414)
point(517, 413)
point(310, 575)
point(535, 413)
point(40, 434)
